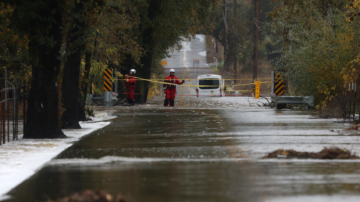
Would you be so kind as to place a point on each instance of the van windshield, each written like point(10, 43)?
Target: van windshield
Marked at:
point(208, 84)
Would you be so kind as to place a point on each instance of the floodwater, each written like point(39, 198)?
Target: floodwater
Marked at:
point(192, 155)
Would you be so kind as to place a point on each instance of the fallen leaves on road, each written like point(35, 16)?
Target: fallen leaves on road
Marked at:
point(326, 153)
point(93, 196)
point(356, 127)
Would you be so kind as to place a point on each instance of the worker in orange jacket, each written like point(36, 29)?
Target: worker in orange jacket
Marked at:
point(170, 90)
point(130, 82)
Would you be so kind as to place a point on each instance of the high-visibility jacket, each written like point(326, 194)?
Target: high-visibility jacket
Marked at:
point(130, 82)
point(171, 79)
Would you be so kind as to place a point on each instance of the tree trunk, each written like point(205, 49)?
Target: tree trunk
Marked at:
point(84, 86)
point(43, 115)
point(225, 39)
point(142, 87)
point(235, 52)
point(70, 89)
point(256, 40)
point(216, 45)
point(71, 78)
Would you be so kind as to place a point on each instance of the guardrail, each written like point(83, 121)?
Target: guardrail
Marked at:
point(307, 100)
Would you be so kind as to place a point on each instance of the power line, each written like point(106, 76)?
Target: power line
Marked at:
point(235, 32)
point(259, 21)
point(257, 26)
point(225, 21)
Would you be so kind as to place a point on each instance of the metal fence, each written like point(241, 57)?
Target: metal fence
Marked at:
point(13, 106)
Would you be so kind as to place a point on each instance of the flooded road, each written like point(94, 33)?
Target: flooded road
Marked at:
point(202, 154)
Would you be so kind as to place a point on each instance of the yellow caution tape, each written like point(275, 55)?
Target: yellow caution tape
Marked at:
point(251, 83)
point(166, 83)
point(150, 80)
point(238, 90)
point(262, 79)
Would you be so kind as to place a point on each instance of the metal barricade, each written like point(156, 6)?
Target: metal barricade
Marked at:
point(196, 63)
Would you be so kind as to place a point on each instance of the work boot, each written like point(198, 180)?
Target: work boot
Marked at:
point(132, 102)
point(172, 102)
point(166, 102)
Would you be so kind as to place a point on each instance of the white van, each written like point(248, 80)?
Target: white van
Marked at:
point(210, 85)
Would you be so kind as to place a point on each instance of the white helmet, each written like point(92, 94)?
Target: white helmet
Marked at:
point(172, 70)
point(133, 71)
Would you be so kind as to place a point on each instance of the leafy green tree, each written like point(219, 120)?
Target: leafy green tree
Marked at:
point(42, 22)
point(99, 34)
point(162, 24)
point(319, 47)
point(244, 32)
point(13, 48)
point(113, 39)
point(79, 23)
point(103, 30)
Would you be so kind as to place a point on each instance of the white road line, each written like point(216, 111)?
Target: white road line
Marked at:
point(185, 65)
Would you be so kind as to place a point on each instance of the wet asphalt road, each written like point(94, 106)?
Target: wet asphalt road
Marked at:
point(210, 150)
point(162, 154)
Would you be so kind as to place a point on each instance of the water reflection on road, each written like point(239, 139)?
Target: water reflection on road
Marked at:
point(157, 154)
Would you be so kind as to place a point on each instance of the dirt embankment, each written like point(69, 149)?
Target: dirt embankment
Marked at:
point(326, 153)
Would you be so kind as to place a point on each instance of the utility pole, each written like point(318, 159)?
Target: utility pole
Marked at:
point(256, 40)
point(286, 36)
point(225, 41)
point(235, 70)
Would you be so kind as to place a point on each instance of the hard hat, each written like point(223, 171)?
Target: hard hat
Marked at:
point(172, 70)
point(133, 71)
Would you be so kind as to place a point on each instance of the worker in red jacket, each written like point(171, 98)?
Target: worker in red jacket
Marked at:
point(130, 81)
point(170, 90)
